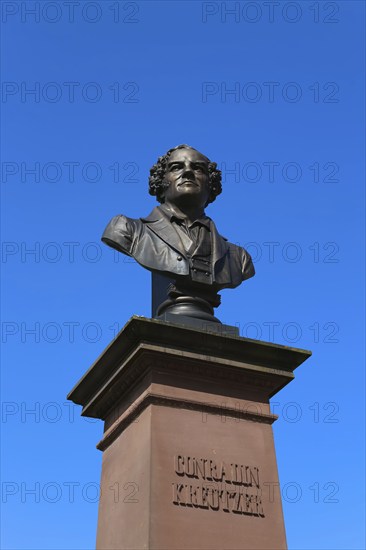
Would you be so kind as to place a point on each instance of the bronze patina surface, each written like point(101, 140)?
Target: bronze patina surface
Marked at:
point(190, 261)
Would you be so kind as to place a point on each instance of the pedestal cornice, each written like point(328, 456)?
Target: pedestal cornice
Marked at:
point(145, 344)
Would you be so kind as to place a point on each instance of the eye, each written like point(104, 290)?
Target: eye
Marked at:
point(200, 168)
point(175, 167)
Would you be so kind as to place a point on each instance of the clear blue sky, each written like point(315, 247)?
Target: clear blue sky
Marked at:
point(115, 84)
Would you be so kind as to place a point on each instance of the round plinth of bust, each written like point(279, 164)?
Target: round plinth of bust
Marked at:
point(189, 307)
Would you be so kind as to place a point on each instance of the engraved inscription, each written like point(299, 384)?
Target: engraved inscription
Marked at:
point(220, 486)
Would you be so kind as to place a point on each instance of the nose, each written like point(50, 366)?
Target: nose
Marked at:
point(188, 171)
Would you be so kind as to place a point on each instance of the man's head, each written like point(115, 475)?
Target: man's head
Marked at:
point(184, 174)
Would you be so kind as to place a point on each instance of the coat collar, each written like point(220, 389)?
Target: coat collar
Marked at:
point(163, 212)
point(154, 216)
point(172, 214)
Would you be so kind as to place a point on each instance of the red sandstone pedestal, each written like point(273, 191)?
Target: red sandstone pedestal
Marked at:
point(188, 453)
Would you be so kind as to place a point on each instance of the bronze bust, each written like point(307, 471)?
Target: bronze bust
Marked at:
point(190, 261)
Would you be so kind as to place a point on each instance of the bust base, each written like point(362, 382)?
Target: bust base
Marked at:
point(188, 453)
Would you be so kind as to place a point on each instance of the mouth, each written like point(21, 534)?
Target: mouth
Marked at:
point(188, 182)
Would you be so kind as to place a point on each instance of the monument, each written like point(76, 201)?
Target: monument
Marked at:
point(188, 453)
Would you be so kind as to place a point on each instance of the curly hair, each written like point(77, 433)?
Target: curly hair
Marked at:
point(157, 185)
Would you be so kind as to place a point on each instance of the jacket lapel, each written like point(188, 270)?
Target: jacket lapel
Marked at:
point(161, 226)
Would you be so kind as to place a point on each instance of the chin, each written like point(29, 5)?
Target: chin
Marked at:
point(191, 199)
point(190, 191)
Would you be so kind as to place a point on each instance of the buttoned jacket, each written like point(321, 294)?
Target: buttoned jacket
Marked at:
point(154, 243)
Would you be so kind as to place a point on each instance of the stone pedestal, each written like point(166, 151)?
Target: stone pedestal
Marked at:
point(188, 453)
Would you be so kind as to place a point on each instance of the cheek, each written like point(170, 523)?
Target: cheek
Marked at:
point(169, 189)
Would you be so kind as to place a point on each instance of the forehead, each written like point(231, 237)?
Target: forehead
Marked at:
point(187, 154)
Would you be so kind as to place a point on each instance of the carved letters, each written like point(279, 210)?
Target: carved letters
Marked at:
point(224, 486)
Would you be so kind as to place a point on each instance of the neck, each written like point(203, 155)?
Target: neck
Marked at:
point(190, 212)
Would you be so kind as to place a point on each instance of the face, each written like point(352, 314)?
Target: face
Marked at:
point(187, 175)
